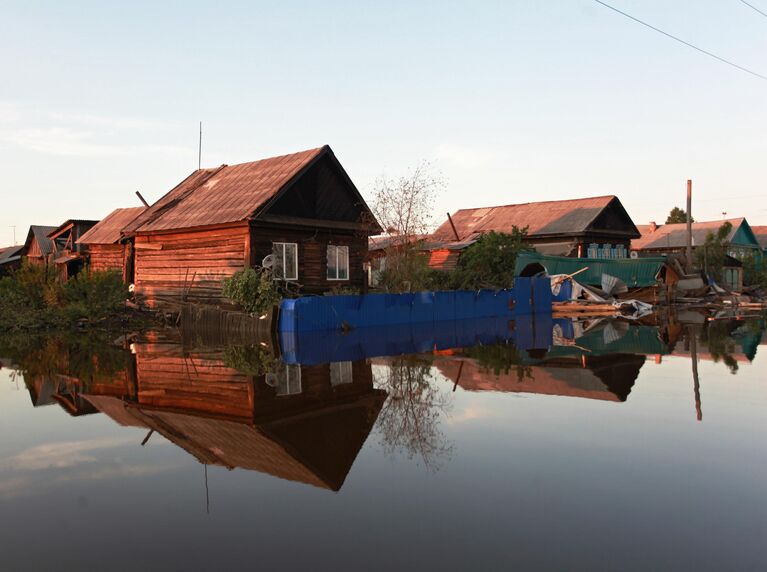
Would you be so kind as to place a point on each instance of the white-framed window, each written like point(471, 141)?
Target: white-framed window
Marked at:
point(620, 251)
point(340, 373)
point(285, 260)
point(593, 251)
point(338, 262)
point(286, 380)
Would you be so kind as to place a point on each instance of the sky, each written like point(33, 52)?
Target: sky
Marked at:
point(511, 101)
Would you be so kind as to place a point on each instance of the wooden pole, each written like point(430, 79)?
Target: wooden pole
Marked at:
point(141, 198)
point(689, 226)
point(695, 380)
point(455, 232)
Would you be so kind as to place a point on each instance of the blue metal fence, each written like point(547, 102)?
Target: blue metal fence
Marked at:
point(328, 313)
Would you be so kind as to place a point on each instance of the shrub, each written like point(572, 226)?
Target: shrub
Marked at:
point(253, 289)
point(93, 295)
point(489, 262)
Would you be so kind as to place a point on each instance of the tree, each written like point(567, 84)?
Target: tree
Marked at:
point(711, 255)
point(677, 215)
point(489, 262)
point(404, 206)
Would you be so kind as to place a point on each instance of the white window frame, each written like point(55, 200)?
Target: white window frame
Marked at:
point(286, 380)
point(279, 250)
point(341, 373)
point(339, 249)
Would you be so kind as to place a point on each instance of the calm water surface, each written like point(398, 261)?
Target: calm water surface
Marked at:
point(599, 452)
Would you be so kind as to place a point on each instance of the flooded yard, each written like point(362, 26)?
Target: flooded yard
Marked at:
point(608, 449)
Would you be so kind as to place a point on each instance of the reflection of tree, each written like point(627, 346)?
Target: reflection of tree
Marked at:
point(500, 357)
point(409, 420)
point(720, 344)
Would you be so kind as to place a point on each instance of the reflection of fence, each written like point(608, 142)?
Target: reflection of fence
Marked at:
point(530, 295)
point(213, 325)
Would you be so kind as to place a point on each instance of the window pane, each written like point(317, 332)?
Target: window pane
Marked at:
point(278, 268)
point(291, 261)
point(343, 262)
point(340, 373)
point(332, 273)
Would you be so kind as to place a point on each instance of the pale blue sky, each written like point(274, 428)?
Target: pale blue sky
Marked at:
point(515, 101)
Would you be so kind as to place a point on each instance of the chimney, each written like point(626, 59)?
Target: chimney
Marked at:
point(653, 226)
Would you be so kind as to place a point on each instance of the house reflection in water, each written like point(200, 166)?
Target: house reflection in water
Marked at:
point(301, 423)
point(608, 378)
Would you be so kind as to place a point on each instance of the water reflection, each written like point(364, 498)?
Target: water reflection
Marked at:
point(301, 409)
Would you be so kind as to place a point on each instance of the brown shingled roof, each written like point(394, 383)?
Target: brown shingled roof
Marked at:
point(675, 235)
point(226, 194)
point(542, 218)
point(108, 230)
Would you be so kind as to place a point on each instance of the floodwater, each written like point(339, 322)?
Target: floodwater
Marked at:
point(608, 449)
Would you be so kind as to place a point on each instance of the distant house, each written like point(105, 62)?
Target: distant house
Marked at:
point(69, 255)
point(10, 258)
point(760, 232)
point(671, 239)
point(299, 214)
point(595, 227)
point(107, 250)
point(38, 248)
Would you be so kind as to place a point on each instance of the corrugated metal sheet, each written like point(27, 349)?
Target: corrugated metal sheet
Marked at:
point(543, 218)
point(227, 194)
point(108, 230)
point(635, 272)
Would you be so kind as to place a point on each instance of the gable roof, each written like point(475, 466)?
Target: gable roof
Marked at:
point(226, 194)
point(760, 232)
point(40, 234)
point(108, 230)
point(68, 224)
point(10, 252)
point(570, 217)
point(675, 235)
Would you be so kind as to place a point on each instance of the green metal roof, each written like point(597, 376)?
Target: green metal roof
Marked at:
point(635, 272)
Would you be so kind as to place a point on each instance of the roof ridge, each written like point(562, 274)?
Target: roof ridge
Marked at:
point(275, 157)
point(539, 202)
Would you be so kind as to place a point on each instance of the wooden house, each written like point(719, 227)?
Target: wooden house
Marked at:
point(38, 248)
point(107, 250)
point(301, 423)
point(760, 232)
point(299, 214)
point(595, 227)
point(69, 256)
point(10, 259)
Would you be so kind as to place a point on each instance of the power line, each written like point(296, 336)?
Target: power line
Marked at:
point(754, 8)
point(681, 41)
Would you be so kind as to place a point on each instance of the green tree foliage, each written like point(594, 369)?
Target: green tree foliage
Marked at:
point(677, 215)
point(253, 289)
point(489, 262)
point(32, 298)
point(755, 270)
point(711, 255)
point(407, 270)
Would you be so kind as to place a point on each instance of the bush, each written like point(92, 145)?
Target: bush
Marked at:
point(252, 289)
point(93, 296)
point(32, 298)
point(489, 262)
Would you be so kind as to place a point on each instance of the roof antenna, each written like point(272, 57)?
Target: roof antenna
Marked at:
point(199, 150)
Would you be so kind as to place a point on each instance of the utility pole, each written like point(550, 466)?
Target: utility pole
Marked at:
point(199, 150)
point(689, 226)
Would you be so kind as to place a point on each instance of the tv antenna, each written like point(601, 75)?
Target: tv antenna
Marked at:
point(199, 150)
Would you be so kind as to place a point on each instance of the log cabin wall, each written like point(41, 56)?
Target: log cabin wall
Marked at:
point(107, 257)
point(312, 254)
point(192, 262)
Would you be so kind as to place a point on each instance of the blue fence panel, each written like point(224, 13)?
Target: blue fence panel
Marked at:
point(541, 295)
